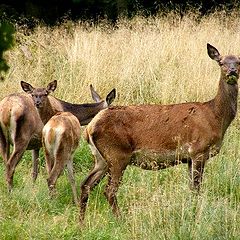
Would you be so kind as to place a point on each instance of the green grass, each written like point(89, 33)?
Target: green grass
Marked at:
point(155, 205)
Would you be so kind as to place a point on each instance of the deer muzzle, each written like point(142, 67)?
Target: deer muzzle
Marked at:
point(232, 77)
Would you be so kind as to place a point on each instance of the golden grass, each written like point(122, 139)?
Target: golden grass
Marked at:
point(148, 60)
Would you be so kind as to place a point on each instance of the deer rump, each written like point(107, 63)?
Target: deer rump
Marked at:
point(15, 122)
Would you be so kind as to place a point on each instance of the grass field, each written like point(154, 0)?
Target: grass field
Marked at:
point(156, 60)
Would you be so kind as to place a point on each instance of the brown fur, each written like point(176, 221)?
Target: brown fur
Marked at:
point(63, 131)
point(27, 133)
point(21, 126)
point(159, 136)
point(60, 139)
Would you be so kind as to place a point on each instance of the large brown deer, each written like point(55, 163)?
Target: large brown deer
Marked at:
point(21, 126)
point(159, 136)
point(60, 138)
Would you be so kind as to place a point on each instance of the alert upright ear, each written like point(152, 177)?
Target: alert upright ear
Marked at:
point(52, 86)
point(95, 96)
point(213, 53)
point(28, 88)
point(111, 96)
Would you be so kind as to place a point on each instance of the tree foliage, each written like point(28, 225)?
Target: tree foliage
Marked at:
point(52, 11)
point(6, 42)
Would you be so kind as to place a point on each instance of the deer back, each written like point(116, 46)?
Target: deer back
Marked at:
point(157, 127)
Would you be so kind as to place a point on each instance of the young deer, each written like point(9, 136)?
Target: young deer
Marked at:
point(21, 126)
point(60, 139)
point(159, 136)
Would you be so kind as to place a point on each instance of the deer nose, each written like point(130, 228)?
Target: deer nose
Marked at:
point(37, 104)
point(232, 71)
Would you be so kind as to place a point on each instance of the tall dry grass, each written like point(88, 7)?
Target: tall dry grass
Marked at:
point(154, 60)
point(147, 60)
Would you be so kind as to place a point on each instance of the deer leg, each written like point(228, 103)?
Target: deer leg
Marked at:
point(49, 161)
point(110, 193)
point(21, 138)
point(196, 168)
point(13, 161)
point(90, 181)
point(115, 175)
point(35, 159)
point(72, 180)
point(54, 174)
point(4, 147)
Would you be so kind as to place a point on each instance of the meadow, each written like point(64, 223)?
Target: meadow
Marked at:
point(156, 60)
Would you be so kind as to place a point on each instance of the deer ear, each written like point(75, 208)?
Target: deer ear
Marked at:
point(111, 96)
point(28, 88)
point(52, 86)
point(95, 96)
point(213, 53)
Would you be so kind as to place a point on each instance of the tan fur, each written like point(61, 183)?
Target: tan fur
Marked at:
point(159, 136)
point(60, 139)
point(21, 125)
point(62, 130)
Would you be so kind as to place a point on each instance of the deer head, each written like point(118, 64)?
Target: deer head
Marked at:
point(230, 65)
point(39, 95)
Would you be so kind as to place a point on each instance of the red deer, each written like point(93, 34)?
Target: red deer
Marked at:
point(60, 139)
point(159, 136)
point(21, 126)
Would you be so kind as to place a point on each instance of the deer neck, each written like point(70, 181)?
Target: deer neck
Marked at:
point(46, 111)
point(84, 112)
point(225, 103)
